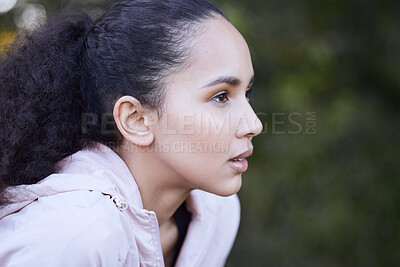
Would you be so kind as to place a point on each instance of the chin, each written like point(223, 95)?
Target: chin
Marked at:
point(229, 188)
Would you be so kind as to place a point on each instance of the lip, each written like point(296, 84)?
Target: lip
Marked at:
point(244, 155)
point(240, 166)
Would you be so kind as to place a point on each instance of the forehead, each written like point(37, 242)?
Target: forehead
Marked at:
point(218, 49)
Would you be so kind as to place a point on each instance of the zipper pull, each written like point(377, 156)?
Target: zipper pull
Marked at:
point(121, 205)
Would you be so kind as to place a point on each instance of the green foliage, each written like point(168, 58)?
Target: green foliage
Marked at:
point(329, 198)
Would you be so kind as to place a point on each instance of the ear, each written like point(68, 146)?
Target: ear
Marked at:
point(133, 121)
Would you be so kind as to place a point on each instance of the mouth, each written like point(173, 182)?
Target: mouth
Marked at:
point(239, 163)
point(243, 155)
point(241, 159)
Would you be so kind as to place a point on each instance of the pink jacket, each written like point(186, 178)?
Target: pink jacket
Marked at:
point(91, 214)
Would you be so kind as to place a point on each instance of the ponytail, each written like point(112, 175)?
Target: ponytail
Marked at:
point(41, 101)
point(72, 67)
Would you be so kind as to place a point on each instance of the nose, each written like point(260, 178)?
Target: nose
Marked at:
point(249, 125)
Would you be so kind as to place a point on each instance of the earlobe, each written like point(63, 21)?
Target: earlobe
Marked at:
point(132, 120)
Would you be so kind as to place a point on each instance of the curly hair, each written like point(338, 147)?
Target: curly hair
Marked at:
point(58, 84)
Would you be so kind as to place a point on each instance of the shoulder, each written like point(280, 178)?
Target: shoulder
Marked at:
point(76, 228)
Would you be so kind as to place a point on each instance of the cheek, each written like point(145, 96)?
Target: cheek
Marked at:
point(203, 127)
point(195, 137)
point(198, 150)
point(196, 130)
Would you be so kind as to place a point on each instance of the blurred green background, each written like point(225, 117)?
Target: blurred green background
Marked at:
point(323, 187)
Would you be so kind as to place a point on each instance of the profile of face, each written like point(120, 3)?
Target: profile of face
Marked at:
point(207, 120)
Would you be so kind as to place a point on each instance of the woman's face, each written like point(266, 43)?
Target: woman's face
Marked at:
point(207, 119)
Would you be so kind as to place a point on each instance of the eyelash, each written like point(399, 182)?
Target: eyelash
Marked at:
point(226, 94)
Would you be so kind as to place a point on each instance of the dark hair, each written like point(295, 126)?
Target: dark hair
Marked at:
point(60, 82)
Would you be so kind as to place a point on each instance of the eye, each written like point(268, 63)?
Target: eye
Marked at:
point(221, 97)
point(249, 93)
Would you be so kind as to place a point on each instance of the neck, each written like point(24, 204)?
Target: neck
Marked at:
point(157, 184)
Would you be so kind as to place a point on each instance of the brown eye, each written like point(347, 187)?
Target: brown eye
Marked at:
point(248, 93)
point(221, 98)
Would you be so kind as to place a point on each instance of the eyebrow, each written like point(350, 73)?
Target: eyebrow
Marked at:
point(231, 80)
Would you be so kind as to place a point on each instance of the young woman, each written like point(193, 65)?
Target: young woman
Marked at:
point(123, 140)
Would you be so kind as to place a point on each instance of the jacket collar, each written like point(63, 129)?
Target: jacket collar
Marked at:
point(99, 168)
